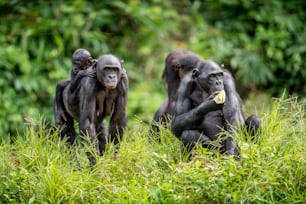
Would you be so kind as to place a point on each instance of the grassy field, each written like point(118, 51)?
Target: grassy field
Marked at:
point(38, 168)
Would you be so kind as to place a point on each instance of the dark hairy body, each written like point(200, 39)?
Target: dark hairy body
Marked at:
point(92, 100)
point(207, 103)
point(177, 64)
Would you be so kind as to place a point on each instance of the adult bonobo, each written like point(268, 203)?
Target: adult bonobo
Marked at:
point(177, 64)
point(207, 102)
point(93, 100)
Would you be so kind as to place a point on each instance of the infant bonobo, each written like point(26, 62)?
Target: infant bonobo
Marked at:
point(82, 66)
point(81, 60)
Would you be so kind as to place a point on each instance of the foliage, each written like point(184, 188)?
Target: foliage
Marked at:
point(262, 42)
point(146, 171)
point(40, 37)
point(262, 46)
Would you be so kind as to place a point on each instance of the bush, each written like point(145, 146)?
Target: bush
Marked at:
point(261, 42)
point(39, 38)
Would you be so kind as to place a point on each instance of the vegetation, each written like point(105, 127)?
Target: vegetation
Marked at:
point(263, 44)
point(39, 168)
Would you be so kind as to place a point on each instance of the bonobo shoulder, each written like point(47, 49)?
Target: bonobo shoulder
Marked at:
point(123, 86)
point(89, 84)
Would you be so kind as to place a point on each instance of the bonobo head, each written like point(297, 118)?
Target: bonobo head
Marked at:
point(109, 70)
point(185, 62)
point(209, 76)
point(81, 58)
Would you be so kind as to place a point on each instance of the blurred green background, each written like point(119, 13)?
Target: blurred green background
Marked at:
point(263, 43)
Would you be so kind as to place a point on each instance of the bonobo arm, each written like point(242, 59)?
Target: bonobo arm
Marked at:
point(193, 116)
point(87, 97)
point(183, 102)
point(232, 108)
point(118, 118)
point(232, 111)
point(160, 113)
point(58, 105)
point(76, 79)
point(186, 115)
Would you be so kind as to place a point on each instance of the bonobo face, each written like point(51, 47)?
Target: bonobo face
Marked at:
point(108, 69)
point(81, 58)
point(110, 77)
point(209, 76)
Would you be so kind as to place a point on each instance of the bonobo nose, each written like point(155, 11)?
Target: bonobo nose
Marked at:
point(112, 76)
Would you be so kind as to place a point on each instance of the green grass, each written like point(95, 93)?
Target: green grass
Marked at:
point(38, 168)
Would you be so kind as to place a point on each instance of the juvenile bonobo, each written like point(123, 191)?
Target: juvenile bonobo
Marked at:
point(207, 102)
point(177, 64)
point(81, 61)
point(93, 100)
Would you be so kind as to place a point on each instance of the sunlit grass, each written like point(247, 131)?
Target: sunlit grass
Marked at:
point(38, 167)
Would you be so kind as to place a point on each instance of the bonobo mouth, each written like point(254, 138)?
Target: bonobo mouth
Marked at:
point(111, 85)
point(217, 91)
point(220, 96)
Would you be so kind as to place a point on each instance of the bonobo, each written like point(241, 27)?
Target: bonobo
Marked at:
point(207, 102)
point(177, 64)
point(92, 100)
point(81, 61)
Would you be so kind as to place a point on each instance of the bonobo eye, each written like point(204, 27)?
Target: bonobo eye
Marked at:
point(212, 77)
point(219, 75)
point(110, 70)
point(77, 62)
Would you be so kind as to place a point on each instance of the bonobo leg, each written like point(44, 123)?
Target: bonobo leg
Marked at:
point(86, 130)
point(252, 125)
point(160, 116)
point(102, 132)
point(58, 105)
point(67, 129)
point(62, 119)
point(194, 116)
point(231, 148)
point(192, 137)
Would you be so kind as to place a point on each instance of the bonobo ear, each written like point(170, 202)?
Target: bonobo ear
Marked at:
point(122, 63)
point(195, 72)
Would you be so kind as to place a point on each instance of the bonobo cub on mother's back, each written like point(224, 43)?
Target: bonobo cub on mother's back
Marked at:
point(92, 100)
point(82, 63)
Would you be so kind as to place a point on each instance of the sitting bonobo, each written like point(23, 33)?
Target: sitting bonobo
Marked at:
point(177, 64)
point(207, 102)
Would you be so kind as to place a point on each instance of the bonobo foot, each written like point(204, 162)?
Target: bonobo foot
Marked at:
point(91, 158)
point(232, 148)
point(193, 137)
point(252, 125)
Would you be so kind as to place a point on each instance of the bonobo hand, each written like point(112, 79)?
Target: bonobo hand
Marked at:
point(88, 72)
point(60, 116)
point(185, 86)
point(220, 97)
point(213, 102)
